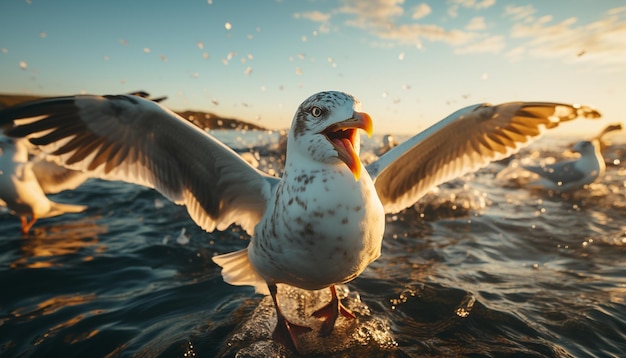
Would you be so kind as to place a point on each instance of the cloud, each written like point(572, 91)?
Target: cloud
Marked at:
point(516, 54)
point(421, 11)
point(529, 34)
point(616, 10)
point(315, 16)
point(602, 41)
point(413, 33)
point(476, 24)
point(379, 18)
point(473, 4)
point(490, 44)
point(453, 9)
point(372, 13)
point(519, 12)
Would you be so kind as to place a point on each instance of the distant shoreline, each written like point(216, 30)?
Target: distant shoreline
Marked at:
point(204, 120)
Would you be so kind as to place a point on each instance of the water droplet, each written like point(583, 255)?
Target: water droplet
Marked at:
point(466, 305)
point(23, 65)
point(183, 238)
point(228, 26)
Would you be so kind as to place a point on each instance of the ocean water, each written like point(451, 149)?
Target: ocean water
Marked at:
point(480, 267)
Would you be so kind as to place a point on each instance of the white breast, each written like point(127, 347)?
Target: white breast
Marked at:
point(323, 228)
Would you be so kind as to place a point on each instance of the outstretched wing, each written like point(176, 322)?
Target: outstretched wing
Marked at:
point(136, 140)
point(463, 142)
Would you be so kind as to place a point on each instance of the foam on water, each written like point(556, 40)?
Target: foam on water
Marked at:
point(367, 333)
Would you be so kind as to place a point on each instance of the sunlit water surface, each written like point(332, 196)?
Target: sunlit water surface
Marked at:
point(479, 267)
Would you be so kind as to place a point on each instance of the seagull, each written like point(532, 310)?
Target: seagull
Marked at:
point(572, 174)
point(321, 223)
point(144, 94)
point(26, 177)
point(24, 183)
point(388, 143)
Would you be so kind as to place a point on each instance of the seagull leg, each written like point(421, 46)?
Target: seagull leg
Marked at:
point(26, 225)
point(330, 312)
point(285, 333)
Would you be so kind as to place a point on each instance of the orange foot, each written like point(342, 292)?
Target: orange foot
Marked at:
point(330, 312)
point(26, 225)
point(286, 333)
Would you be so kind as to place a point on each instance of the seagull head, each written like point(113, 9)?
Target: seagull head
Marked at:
point(584, 147)
point(326, 128)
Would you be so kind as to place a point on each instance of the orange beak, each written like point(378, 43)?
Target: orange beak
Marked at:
point(344, 137)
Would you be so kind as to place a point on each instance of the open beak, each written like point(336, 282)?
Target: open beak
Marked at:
point(344, 137)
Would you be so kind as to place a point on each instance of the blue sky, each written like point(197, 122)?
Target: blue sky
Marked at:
point(410, 62)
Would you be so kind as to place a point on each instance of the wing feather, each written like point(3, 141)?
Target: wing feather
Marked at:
point(464, 141)
point(135, 140)
point(54, 179)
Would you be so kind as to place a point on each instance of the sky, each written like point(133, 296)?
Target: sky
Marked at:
point(411, 63)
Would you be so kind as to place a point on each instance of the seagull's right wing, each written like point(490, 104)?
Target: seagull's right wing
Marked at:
point(136, 140)
point(465, 141)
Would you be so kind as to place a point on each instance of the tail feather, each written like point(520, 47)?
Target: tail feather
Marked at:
point(237, 270)
point(60, 209)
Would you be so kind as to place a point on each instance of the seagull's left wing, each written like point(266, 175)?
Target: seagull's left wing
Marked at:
point(463, 142)
point(128, 138)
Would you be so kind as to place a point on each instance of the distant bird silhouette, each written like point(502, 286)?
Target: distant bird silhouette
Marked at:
point(146, 95)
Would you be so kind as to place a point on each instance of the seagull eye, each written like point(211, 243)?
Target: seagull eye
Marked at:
point(316, 111)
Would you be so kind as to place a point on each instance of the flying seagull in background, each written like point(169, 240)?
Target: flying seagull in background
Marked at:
point(319, 225)
point(146, 95)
